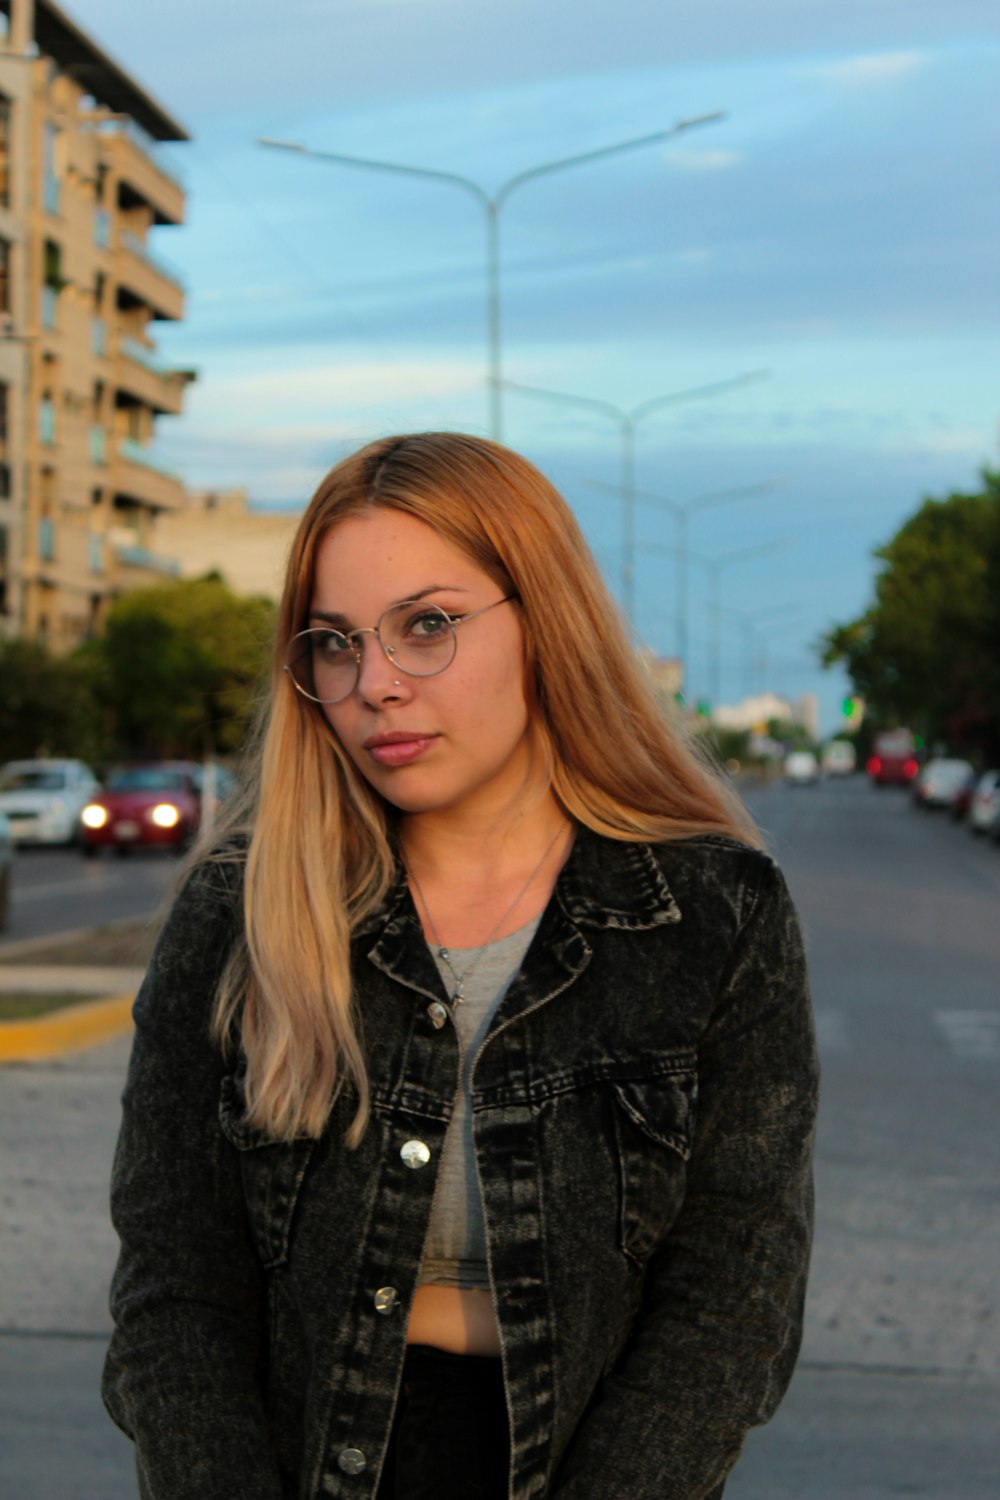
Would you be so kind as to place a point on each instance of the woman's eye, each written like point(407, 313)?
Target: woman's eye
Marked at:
point(330, 645)
point(428, 625)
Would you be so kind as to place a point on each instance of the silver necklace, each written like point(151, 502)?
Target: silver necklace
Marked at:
point(459, 980)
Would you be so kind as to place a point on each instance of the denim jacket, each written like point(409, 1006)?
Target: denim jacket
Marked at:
point(643, 1117)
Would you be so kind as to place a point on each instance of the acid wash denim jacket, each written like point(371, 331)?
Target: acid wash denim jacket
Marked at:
point(643, 1117)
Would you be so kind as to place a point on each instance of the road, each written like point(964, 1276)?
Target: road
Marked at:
point(898, 1389)
point(55, 890)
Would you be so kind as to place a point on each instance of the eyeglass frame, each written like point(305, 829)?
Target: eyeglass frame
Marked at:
point(454, 620)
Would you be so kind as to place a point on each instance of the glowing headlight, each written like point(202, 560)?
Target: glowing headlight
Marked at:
point(94, 815)
point(165, 815)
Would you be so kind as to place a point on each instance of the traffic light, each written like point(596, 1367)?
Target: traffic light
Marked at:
point(852, 709)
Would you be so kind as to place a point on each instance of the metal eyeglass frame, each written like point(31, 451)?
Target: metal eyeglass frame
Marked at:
point(389, 651)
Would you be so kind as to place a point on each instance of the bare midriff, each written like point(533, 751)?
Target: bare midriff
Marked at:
point(458, 1319)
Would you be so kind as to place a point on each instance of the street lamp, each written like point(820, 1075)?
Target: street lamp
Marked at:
point(785, 613)
point(492, 204)
point(715, 567)
point(681, 510)
point(628, 420)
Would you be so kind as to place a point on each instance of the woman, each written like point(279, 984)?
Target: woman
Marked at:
point(467, 1133)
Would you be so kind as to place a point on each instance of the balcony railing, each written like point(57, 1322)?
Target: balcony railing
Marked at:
point(141, 557)
point(144, 143)
point(135, 453)
point(157, 263)
point(132, 349)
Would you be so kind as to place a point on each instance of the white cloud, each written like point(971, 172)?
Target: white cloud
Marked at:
point(873, 69)
point(692, 160)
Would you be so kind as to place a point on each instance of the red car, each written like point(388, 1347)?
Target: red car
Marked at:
point(893, 761)
point(158, 804)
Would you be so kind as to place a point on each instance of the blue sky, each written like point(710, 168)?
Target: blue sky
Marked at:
point(838, 230)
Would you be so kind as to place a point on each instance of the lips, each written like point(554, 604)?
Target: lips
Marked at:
point(399, 748)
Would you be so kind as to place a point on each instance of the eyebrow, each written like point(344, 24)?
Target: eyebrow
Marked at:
point(339, 621)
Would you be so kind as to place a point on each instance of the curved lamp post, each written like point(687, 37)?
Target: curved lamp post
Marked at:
point(628, 419)
point(492, 205)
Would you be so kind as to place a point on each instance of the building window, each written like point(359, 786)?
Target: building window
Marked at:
point(4, 572)
point(102, 228)
point(95, 552)
point(4, 411)
point(99, 336)
point(6, 111)
point(98, 445)
point(50, 168)
point(47, 420)
point(4, 275)
point(46, 539)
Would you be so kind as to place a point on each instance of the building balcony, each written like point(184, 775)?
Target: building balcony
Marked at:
point(131, 565)
point(140, 373)
point(149, 279)
point(142, 175)
point(137, 476)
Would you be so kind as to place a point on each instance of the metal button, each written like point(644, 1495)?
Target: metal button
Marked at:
point(438, 1014)
point(352, 1460)
point(386, 1299)
point(415, 1154)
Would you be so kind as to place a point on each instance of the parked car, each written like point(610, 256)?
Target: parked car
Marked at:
point(984, 807)
point(6, 867)
point(893, 761)
point(942, 782)
point(839, 758)
point(155, 804)
point(801, 768)
point(43, 798)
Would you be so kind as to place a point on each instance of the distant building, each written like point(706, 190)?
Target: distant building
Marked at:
point(81, 290)
point(667, 674)
point(216, 531)
point(755, 713)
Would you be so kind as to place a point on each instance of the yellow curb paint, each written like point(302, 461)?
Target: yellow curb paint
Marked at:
point(67, 1030)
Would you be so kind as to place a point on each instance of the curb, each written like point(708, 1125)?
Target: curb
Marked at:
point(68, 1030)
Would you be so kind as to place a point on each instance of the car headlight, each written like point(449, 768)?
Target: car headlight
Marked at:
point(165, 815)
point(94, 815)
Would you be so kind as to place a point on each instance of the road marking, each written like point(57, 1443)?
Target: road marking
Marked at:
point(79, 886)
point(971, 1033)
point(831, 1031)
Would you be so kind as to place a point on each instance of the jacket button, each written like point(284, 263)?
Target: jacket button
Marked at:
point(415, 1154)
point(386, 1299)
point(351, 1460)
point(438, 1014)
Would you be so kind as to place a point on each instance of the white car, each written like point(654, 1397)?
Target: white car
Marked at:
point(43, 799)
point(801, 768)
point(839, 758)
point(984, 809)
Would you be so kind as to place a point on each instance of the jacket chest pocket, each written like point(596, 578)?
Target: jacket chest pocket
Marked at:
point(654, 1129)
point(272, 1173)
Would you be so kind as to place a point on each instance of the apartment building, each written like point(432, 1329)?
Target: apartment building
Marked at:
point(84, 193)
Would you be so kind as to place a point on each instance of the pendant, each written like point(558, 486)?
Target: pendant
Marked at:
point(457, 997)
point(443, 955)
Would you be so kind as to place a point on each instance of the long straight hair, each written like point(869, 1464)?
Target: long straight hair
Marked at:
point(321, 858)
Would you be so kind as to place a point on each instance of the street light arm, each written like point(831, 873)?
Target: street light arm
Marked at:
point(583, 157)
point(592, 403)
point(379, 166)
point(741, 492)
point(697, 393)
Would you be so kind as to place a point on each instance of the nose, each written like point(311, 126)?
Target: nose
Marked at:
point(379, 679)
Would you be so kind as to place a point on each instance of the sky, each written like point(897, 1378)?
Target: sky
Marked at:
point(834, 238)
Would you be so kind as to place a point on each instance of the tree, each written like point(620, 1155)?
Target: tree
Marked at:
point(179, 666)
point(926, 653)
point(47, 706)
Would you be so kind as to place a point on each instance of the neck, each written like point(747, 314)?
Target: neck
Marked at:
point(436, 843)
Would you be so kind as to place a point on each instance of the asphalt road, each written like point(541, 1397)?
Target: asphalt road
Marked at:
point(55, 890)
point(898, 1390)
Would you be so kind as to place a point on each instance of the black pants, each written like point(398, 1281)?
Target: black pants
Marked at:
point(449, 1440)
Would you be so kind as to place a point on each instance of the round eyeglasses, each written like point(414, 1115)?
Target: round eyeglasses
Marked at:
point(419, 639)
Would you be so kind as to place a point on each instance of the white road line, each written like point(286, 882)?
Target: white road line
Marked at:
point(78, 887)
point(971, 1033)
point(831, 1031)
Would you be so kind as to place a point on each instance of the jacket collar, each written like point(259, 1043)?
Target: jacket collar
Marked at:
point(604, 883)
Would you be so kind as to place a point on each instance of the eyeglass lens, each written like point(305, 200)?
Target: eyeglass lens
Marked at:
point(419, 639)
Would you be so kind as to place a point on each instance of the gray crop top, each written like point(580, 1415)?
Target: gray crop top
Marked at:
point(455, 1250)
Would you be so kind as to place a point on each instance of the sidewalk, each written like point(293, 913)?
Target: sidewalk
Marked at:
point(103, 1011)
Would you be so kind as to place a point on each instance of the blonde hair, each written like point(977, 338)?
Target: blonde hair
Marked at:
point(320, 857)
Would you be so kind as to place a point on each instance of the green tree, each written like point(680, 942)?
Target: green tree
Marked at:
point(926, 652)
point(179, 666)
point(47, 706)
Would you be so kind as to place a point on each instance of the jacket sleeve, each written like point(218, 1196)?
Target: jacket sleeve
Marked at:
point(718, 1332)
point(181, 1376)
